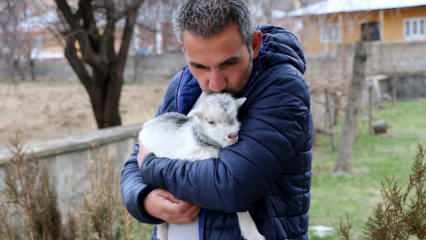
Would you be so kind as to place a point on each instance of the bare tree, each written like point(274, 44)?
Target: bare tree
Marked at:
point(267, 7)
point(261, 11)
point(97, 35)
point(95, 53)
point(15, 41)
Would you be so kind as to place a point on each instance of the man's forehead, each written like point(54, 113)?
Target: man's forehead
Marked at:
point(230, 36)
point(230, 28)
point(202, 61)
point(201, 53)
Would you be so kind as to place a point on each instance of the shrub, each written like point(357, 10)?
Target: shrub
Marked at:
point(29, 209)
point(401, 214)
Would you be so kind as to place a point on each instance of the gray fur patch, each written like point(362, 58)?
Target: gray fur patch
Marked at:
point(177, 118)
point(224, 104)
point(203, 139)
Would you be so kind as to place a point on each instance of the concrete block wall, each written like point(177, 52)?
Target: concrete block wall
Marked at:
point(335, 68)
point(68, 160)
point(402, 62)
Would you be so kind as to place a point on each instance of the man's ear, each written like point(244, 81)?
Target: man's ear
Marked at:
point(256, 42)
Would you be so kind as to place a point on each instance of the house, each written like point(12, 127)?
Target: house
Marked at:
point(334, 22)
point(153, 33)
point(42, 41)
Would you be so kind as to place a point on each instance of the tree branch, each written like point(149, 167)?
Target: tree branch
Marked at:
point(135, 5)
point(79, 33)
point(78, 66)
point(107, 50)
point(86, 12)
point(66, 11)
point(127, 35)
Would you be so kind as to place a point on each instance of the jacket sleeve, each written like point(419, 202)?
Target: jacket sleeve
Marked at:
point(134, 188)
point(275, 128)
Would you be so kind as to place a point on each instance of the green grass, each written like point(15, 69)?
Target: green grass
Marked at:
point(375, 158)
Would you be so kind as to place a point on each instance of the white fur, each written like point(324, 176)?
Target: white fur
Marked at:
point(171, 135)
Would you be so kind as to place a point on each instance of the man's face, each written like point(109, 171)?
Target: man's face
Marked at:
point(221, 63)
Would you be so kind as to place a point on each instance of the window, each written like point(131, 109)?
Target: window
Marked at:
point(415, 28)
point(370, 31)
point(407, 28)
point(330, 33)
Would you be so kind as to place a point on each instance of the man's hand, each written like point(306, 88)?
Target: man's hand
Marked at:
point(163, 205)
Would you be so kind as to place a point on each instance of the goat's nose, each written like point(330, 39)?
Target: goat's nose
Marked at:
point(233, 137)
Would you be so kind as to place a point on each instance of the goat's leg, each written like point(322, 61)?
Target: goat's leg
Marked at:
point(162, 231)
point(248, 227)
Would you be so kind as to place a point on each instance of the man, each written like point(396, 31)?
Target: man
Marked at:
point(268, 171)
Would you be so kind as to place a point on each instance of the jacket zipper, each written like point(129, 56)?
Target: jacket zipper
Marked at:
point(201, 224)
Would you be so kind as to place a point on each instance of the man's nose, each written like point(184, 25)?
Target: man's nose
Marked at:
point(217, 81)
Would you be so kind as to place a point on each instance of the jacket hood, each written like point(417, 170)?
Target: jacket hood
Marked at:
point(280, 46)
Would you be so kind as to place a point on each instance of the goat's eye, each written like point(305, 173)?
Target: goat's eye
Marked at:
point(211, 122)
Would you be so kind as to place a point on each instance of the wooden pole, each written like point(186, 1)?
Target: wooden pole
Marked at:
point(329, 122)
point(370, 108)
point(344, 161)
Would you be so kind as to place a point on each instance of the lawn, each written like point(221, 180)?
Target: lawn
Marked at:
point(375, 159)
point(49, 110)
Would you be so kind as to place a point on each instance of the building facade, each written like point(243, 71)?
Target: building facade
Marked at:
point(330, 23)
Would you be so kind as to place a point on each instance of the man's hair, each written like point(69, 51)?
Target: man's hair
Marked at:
point(206, 18)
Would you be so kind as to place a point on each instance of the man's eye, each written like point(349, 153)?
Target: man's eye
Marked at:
point(211, 122)
point(199, 66)
point(230, 62)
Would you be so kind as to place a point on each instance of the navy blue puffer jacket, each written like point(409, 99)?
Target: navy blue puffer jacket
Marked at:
point(268, 172)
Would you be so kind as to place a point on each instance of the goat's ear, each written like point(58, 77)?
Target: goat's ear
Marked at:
point(200, 99)
point(241, 101)
point(195, 113)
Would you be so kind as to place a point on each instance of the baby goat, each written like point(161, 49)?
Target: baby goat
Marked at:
point(212, 124)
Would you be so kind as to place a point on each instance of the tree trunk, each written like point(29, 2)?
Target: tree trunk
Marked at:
point(344, 161)
point(105, 96)
point(112, 99)
point(103, 86)
point(32, 70)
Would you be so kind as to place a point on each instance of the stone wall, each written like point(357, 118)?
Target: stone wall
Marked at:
point(147, 68)
point(332, 69)
point(68, 160)
point(158, 67)
point(335, 68)
point(402, 63)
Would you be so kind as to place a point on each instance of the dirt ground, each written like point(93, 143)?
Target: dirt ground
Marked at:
point(44, 111)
